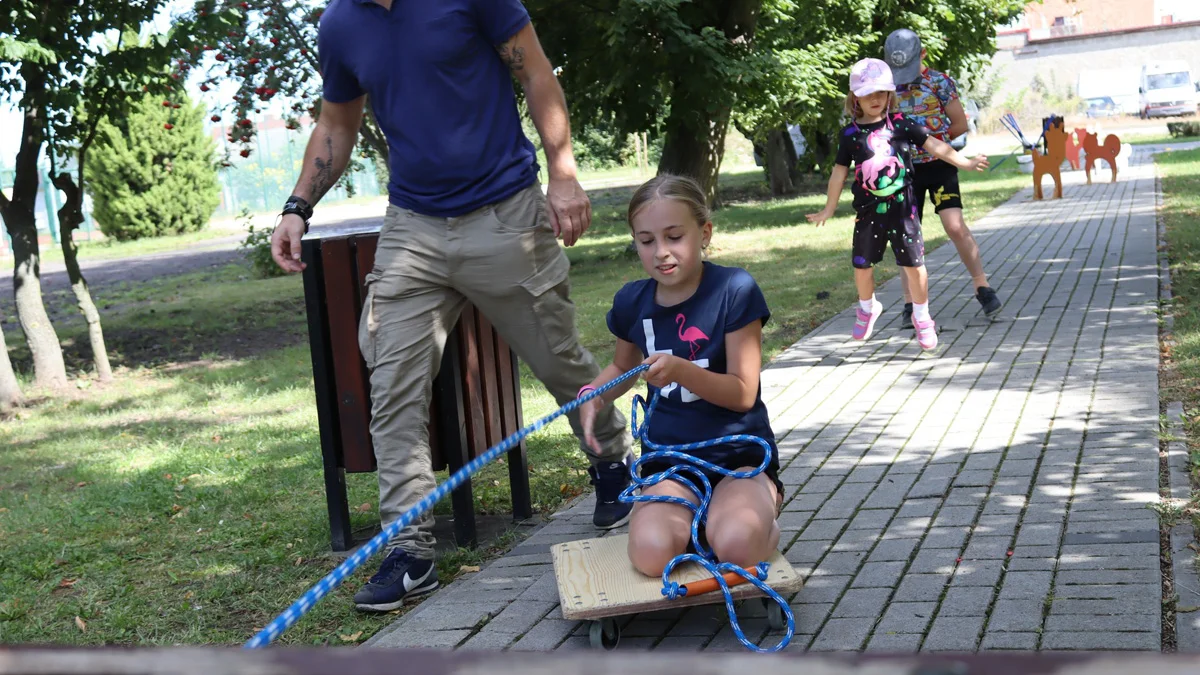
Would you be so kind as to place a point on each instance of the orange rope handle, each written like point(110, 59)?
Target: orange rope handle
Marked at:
point(710, 584)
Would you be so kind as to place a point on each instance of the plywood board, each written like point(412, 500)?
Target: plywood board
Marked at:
point(596, 580)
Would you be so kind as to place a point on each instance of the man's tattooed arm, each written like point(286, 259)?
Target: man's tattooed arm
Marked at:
point(513, 55)
point(323, 179)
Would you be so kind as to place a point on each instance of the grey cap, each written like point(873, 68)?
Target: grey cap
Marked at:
point(902, 52)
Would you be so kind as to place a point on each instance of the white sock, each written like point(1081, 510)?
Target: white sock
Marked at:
point(920, 311)
point(867, 306)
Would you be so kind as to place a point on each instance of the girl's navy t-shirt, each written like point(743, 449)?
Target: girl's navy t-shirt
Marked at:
point(727, 299)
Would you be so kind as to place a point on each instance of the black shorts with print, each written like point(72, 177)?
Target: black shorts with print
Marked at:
point(940, 180)
point(899, 225)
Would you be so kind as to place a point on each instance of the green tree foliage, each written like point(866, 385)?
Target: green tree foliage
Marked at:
point(270, 54)
point(674, 68)
point(55, 61)
point(153, 173)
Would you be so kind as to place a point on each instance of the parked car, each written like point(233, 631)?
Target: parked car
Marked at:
point(1102, 106)
point(972, 111)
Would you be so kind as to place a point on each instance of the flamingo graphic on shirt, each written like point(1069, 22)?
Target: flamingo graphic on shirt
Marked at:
point(691, 336)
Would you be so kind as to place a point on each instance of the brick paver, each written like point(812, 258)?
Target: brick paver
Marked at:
point(993, 496)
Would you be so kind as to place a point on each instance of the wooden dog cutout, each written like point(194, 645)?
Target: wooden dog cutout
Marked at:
point(1051, 162)
point(1074, 145)
point(1108, 152)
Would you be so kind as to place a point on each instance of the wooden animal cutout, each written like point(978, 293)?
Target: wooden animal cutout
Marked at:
point(1108, 152)
point(1074, 145)
point(1051, 162)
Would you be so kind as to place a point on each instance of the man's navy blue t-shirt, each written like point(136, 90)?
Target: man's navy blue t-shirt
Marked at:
point(727, 300)
point(440, 92)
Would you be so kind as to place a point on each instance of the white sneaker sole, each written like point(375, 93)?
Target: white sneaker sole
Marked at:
point(389, 606)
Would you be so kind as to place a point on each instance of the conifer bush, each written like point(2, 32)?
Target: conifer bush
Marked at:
point(153, 173)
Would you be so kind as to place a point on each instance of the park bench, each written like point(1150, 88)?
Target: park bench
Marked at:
point(476, 395)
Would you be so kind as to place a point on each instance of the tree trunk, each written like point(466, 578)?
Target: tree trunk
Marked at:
point(48, 367)
point(70, 216)
point(694, 149)
point(695, 129)
point(10, 390)
point(780, 160)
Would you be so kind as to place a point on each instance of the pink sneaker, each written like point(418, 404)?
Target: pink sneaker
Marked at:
point(864, 324)
point(926, 334)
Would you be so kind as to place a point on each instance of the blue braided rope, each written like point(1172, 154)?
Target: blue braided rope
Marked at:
point(692, 464)
point(306, 602)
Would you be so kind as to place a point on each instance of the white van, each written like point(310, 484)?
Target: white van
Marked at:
point(1167, 88)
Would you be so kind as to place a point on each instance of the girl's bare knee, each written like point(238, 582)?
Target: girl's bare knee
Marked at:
point(744, 541)
point(651, 548)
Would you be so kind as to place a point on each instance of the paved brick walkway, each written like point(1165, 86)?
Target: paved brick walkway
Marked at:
point(991, 497)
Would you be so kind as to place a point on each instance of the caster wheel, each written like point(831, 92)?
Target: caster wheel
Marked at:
point(775, 618)
point(604, 634)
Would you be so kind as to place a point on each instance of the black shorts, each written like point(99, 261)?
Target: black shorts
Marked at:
point(751, 457)
point(940, 180)
point(899, 225)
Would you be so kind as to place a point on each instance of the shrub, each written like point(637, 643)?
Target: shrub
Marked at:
point(1182, 129)
point(153, 173)
point(257, 249)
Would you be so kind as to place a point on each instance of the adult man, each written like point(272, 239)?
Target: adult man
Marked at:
point(467, 221)
point(932, 97)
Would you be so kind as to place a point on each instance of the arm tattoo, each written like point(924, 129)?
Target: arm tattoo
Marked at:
point(512, 55)
point(323, 180)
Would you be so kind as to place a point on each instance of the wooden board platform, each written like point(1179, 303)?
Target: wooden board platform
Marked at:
point(596, 580)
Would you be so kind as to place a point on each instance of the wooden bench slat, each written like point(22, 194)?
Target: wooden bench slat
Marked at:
point(490, 379)
point(353, 397)
point(472, 383)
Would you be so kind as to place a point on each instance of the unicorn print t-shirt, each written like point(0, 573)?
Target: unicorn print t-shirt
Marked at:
point(881, 153)
point(727, 300)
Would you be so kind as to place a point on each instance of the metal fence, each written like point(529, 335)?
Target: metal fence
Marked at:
point(258, 183)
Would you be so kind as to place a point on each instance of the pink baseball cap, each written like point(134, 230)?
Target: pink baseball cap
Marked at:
point(869, 76)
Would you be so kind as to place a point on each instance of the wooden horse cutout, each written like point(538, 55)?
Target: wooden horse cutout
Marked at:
point(1051, 162)
point(1074, 145)
point(1108, 152)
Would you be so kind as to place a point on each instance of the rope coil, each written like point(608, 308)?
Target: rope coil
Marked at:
point(704, 556)
point(326, 585)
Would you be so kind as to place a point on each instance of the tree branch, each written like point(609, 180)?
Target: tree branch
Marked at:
point(286, 18)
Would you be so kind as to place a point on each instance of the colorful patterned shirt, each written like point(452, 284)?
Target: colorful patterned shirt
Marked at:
point(926, 100)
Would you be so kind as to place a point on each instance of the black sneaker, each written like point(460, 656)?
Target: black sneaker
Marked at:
point(610, 479)
point(400, 577)
point(987, 297)
point(906, 317)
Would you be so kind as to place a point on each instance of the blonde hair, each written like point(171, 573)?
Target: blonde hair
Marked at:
point(669, 186)
point(854, 110)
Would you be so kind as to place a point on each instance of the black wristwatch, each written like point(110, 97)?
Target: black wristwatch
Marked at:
point(299, 207)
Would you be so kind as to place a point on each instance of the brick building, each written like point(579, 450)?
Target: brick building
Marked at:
point(1061, 18)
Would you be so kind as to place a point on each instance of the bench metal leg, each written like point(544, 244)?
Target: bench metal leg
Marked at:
point(341, 537)
point(518, 460)
point(452, 432)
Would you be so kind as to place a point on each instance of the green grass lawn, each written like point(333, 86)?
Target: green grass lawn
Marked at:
point(1159, 139)
point(184, 502)
point(1181, 213)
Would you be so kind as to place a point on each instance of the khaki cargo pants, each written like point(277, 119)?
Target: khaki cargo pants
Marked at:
point(505, 260)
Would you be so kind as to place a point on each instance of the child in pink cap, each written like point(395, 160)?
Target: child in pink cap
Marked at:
point(879, 142)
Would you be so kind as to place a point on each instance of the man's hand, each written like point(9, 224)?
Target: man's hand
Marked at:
point(569, 209)
point(285, 243)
